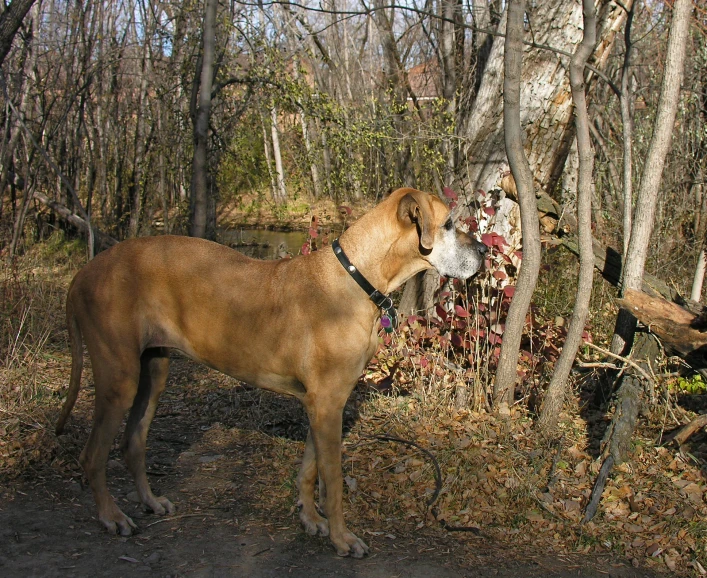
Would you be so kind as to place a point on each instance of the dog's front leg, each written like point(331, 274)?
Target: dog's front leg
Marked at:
point(325, 420)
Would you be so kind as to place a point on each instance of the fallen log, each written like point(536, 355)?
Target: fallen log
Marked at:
point(671, 324)
point(103, 241)
point(682, 435)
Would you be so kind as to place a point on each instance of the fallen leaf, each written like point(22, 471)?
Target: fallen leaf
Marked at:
point(129, 559)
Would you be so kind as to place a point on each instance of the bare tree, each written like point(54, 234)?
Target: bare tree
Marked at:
point(277, 155)
point(556, 391)
point(546, 107)
point(506, 375)
point(699, 276)
point(627, 125)
point(646, 201)
point(136, 185)
point(10, 22)
point(201, 204)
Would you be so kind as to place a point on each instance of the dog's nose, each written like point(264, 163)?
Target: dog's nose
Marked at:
point(481, 248)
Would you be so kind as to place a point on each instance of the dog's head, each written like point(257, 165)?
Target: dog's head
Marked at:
point(449, 250)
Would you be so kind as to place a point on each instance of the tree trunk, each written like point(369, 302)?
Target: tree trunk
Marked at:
point(418, 293)
point(28, 59)
point(306, 137)
point(555, 396)
point(277, 154)
point(268, 157)
point(451, 47)
point(627, 125)
point(140, 148)
point(103, 241)
point(200, 178)
point(10, 22)
point(22, 213)
point(647, 199)
point(698, 279)
point(394, 77)
point(546, 106)
point(507, 372)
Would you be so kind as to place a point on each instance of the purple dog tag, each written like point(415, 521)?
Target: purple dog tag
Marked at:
point(387, 324)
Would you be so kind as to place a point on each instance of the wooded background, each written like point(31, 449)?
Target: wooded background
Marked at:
point(336, 99)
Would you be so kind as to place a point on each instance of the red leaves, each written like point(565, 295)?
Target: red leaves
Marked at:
point(441, 312)
point(493, 240)
point(450, 194)
point(472, 223)
point(460, 311)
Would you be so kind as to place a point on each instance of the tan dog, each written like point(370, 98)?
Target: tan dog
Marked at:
point(301, 326)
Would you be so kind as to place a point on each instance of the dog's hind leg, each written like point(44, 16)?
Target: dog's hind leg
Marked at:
point(116, 387)
point(312, 521)
point(154, 367)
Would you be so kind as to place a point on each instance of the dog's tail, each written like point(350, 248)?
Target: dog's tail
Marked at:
point(76, 342)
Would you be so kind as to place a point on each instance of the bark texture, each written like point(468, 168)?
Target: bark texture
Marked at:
point(556, 391)
point(10, 22)
point(546, 105)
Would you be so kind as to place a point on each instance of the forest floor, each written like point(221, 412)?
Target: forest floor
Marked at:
point(227, 456)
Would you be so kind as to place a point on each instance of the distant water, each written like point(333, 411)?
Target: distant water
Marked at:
point(262, 243)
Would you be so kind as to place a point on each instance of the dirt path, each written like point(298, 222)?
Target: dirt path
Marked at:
point(48, 530)
point(226, 457)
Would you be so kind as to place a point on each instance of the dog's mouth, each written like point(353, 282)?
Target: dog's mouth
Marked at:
point(458, 255)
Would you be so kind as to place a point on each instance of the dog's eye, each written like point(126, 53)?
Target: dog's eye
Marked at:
point(449, 225)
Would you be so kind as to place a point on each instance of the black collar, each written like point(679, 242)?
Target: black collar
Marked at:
point(389, 320)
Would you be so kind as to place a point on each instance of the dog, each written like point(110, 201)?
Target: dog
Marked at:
point(305, 327)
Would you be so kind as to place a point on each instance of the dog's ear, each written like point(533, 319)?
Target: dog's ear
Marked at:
point(415, 208)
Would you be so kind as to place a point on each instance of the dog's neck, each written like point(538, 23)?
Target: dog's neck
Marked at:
point(386, 266)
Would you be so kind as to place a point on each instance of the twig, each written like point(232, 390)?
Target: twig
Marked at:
point(601, 365)
point(551, 477)
point(681, 436)
point(435, 463)
point(626, 360)
point(180, 516)
point(438, 484)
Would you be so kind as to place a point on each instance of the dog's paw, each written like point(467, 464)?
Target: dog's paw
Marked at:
point(313, 522)
point(119, 523)
point(348, 544)
point(160, 505)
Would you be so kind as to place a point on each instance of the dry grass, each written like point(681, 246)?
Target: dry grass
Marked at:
point(33, 350)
